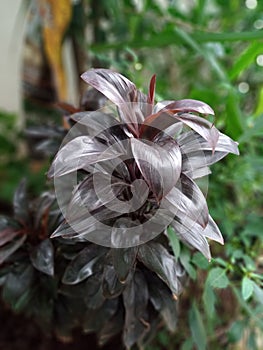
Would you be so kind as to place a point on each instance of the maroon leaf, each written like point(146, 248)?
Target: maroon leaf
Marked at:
point(79, 154)
point(10, 248)
point(160, 166)
point(164, 119)
point(185, 106)
point(118, 89)
point(188, 199)
point(192, 234)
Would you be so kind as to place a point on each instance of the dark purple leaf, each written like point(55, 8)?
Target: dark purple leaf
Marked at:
point(160, 166)
point(79, 154)
point(163, 301)
point(192, 234)
point(20, 203)
point(18, 286)
point(84, 265)
point(94, 320)
point(111, 285)
point(190, 142)
point(111, 328)
point(212, 231)
point(42, 257)
point(198, 154)
point(10, 248)
point(7, 234)
point(157, 259)
point(117, 89)
point(9, 229)
point(187, 199)
point(94, 297)
point(185, 106)
point(95, 121)
point(123, 261)
point(135, 299)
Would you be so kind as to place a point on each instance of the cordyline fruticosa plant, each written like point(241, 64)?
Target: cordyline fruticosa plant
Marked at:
point(132, 174)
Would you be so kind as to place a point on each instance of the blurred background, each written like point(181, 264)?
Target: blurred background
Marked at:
point(211, 50)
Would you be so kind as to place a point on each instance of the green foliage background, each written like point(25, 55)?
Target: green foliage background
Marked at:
point(207, 50)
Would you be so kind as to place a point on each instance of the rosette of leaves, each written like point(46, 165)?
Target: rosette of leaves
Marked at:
point(27, 255)
point(153, 154)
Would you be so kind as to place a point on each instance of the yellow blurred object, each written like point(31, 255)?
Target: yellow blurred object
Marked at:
point(56, 17)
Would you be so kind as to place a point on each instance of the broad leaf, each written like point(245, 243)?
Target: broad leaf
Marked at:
point(160, 166)
point(20, 203)
point(217, 278)
point(84, 265)
point(186, 199)
point(163, 301)
point(247, 288)
point(164, 119)
point(94, 320)
point(10, 248)
point(123, 261)
point(111, 285)
point(156, 258)
point(111, 328)
point(135, 299)
point(42, 257)
point(79, 153)
point(197, 328)
point(117, 89)
point(192, 234)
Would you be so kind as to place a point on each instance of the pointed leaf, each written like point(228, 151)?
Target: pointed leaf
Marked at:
point(94, 320)
point(123, 261)
point(135, 299)
point(20, 202)
point(197, 328)
point(212, 231)
point(79, 154)
point(186, 199)
point(84, 265)
point(111, 285)
point(217, 278)
point(185, 106)
point(156, 258)
point(191, 233)
point(163, 301)
point(163, 120)
point(247, 288)
point(10, 248)
point(117, 89)
point(160, 166)
point(42, 257)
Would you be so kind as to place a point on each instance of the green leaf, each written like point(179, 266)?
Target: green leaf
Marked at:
point(156, 258)
point(236, 331)
point(247, 288)
point(209, 300)
point(185, 261)
point(200, 261)
point(197, 328)
point(174, 242)
point(245, 59)
point(217, 278)
point(258, 293)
